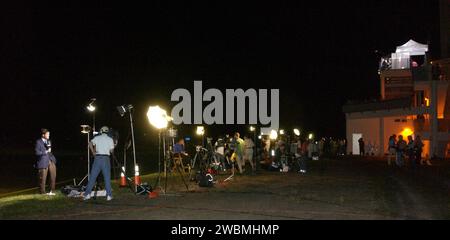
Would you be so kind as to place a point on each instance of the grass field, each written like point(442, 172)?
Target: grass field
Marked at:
point(344, 188)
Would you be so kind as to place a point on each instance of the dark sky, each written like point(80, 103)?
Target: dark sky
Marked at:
point(53, 60)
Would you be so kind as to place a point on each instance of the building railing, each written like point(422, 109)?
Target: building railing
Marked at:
point(424, 125)
point(423, 73)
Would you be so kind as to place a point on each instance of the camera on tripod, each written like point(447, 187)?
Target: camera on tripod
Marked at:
point(200, 148)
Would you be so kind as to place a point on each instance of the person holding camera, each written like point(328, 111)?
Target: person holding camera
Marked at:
point(101, 147)
point(46, 162)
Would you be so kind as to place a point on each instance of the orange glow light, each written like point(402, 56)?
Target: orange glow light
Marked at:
point(407, 132)
point(427, 102)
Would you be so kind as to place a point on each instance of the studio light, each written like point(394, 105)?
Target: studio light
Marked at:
point(296, 132)
point(85, 129)
point(273, 135)
point(90, 107)
point(158, 117)
point(200, 130)
point(124, 109)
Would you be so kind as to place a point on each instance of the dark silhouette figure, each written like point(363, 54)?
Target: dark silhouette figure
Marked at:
point(362, 152)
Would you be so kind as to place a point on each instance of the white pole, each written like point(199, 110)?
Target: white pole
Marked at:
point(89, 159)
point(134, 149)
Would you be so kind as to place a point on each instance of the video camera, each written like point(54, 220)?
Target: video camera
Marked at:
point(199, 148)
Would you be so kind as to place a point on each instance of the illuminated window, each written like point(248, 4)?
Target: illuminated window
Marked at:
point(427, 102)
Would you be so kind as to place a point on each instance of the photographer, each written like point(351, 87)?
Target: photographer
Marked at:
point(46, 162)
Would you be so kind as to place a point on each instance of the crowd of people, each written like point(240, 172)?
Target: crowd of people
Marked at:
point(399, 150)
point(292, 153)
point(287, 153)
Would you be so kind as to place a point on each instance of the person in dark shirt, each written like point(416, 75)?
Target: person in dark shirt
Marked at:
point(362, 151)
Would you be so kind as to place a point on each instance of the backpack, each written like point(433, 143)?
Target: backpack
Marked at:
point(205, 180)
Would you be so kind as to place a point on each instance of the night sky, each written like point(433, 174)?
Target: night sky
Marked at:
point(53, 60)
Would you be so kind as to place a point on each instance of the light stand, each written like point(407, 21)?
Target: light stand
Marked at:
point(86, 129)
point(158, 118)
point(201, 131)
point(91, 108)
point(132, 141)
point(158, 180)
point(165, 163)
point(122, 110)
point(255, 152)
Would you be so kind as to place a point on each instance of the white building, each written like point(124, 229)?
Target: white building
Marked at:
point(415, 100)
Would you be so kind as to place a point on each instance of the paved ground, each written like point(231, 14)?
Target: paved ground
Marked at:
point(348, 188)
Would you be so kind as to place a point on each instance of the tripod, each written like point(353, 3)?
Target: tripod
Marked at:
point(168, 161)
point(202, 155)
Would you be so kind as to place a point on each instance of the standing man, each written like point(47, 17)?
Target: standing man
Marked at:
point(410, 151)
point(401, 147)
point(248, 155)
point(362, 150)
point(303, 156)
point(101, 147)
point(392, 148)
point(46, 162)
point(239, 151)
point(418, 145)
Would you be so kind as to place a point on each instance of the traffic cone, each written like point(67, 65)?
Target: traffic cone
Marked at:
point(123, 180)
point(137, 178)
point(153, 194)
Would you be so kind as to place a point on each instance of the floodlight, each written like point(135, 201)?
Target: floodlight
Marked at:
point(90, 107)
point(158, 117)
point(296, 132)
point(273, 134)
point(85, 128)
point(200, 130)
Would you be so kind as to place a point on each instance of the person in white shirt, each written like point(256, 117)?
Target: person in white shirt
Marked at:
point(101, 146)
